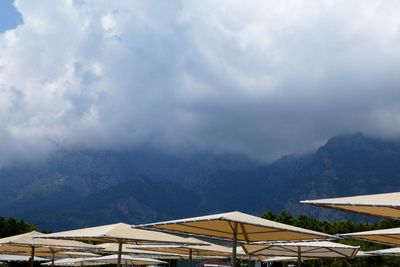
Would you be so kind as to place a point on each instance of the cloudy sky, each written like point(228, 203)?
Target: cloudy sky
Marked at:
point(265, 78)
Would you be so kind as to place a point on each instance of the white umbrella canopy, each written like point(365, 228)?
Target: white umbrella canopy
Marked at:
point(74, 262)
point(384, 252)
point(10, 257)
point(320, 249)
point(383, 205)
point(26, 243)
point(389, 237)
point(119, 233)
point(210, 249)
point(192, 251)
point(237, 226)
point(112, 248)
point(110, 259)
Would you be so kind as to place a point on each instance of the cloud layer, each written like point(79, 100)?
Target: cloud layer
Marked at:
point(263, 78)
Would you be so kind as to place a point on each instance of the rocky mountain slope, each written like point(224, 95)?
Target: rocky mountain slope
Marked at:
point(81, 188)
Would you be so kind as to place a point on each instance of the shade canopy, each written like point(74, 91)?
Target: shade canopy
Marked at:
point(321, 249)
point(247, 228)
point(112, 248)
point(120, 233)
point(24, 242)
point(210, 250)
point(73, 262)
point(282, 259)
point(389, 237)
point(56, 254)
point(385, 252)
point(7, 257)
point(382, 205)
point(110, 259)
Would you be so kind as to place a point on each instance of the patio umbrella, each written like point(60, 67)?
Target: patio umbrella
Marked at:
point(26, 243)
point(389, 237)
point(112, 248)
point(9, 257)
point(384, 252)
point(119, 233)
point(321, 249)
point(110, 259)
point(382, 205)
point(237, 227)
point(192, 250)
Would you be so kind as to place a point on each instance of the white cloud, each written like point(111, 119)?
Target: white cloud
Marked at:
point(259, 77)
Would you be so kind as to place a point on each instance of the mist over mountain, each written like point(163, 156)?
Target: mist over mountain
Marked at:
point(87, 187)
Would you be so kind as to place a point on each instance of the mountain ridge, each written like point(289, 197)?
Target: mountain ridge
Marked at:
point(84, 188)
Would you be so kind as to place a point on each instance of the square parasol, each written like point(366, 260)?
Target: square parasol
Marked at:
point(383, 205)
point(237, 227)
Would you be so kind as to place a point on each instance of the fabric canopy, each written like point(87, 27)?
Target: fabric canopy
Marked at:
point(209, 250)
point(119, 232)
point(110, 259)
point(112, 248)
point(26, 243)
point(321, 249)
point(385, 252)
point(282, 259)
point(246, 227)
point(389, 237)
point(7, 257)
point(41, 243)
point(237, 226)
point(212, 250)
point(382, 205)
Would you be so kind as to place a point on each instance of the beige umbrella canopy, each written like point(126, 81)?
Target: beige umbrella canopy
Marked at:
point(320, 249)
point(237, 226)
point(28, 244)
point(78, 262)
point(119, 233)
point(382, 205)
point(110, 259)
point(112, 248)
point(389, 237)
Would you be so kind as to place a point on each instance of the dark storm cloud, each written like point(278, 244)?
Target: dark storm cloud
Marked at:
point(258, 77)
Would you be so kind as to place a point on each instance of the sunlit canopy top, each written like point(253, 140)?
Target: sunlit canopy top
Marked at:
point(389, 237)
point(24, 242)
point(321, 249)
point(383, 205)
point(119, 232)
point(249, 228)
point(49, 254)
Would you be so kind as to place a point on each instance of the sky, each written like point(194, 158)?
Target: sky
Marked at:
point(259, 77)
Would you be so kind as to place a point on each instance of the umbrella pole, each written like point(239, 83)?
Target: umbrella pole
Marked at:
point(234, 244)
point(299, 257)
point(52, 259)
point(249, 263)
point(190, 257)
point(32, 256)
point(119, 254)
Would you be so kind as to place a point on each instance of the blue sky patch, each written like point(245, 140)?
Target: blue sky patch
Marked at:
point(9, 16)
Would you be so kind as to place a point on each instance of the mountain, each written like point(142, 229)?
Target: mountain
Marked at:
point(81, 188)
